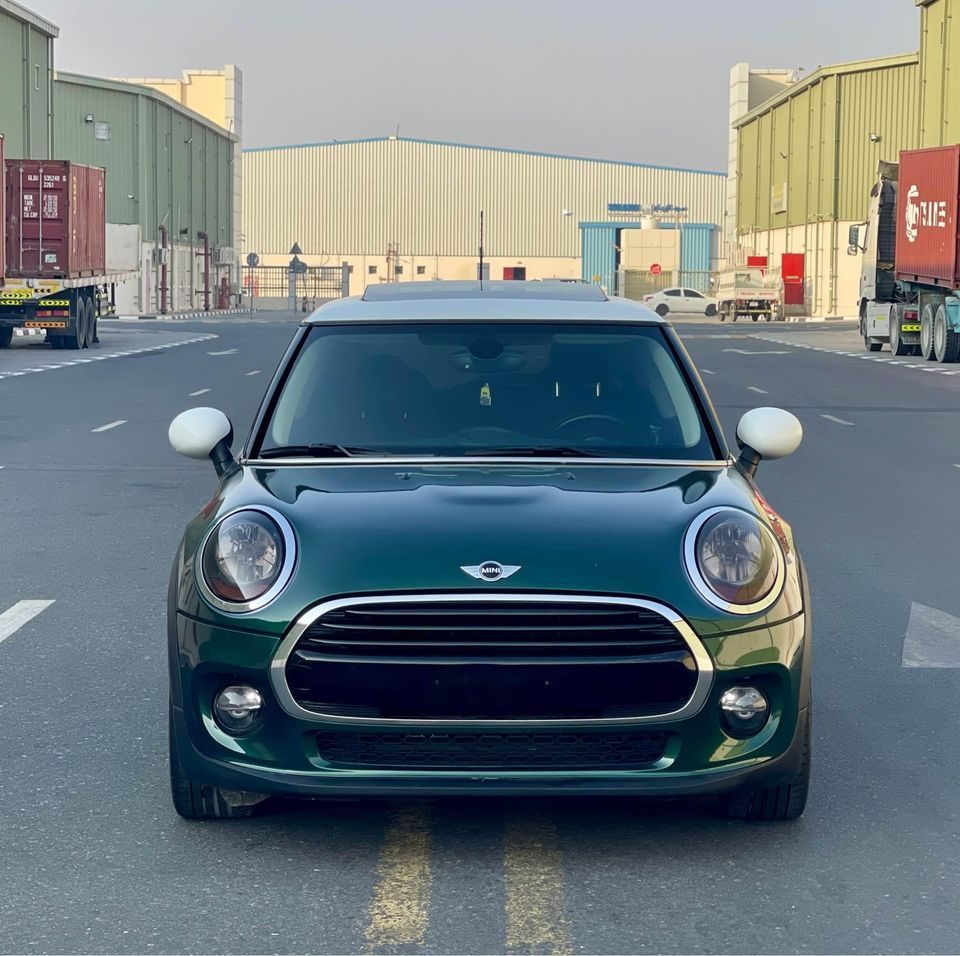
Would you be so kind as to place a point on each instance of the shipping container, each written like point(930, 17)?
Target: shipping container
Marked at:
point(3, 218)
point(55, 219)
point(927, 217)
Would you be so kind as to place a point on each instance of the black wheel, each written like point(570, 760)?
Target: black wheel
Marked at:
point(723, 315)
point(6, 336)
point(926, 332)
point(662, 310)
point(871, 345)
point(777, 803)
point(197, 801)
point(75, 339)
point(710, 311)
point(946, 342)
point(755, 318)
point(897, 345)
point(88, 330)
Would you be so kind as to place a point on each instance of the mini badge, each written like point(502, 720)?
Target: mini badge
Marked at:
point(490, 570)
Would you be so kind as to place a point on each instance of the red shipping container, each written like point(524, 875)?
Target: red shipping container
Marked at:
point(55, 219)
point(927, 206)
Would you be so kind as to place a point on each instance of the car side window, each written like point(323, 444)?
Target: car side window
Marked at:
point(672, 292)
point(692, 294)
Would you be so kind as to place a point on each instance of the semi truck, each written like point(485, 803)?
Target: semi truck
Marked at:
point(53, 272)
point(909, 293)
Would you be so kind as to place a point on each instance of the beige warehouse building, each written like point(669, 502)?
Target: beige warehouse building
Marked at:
point(804, 153)
point(399, 209)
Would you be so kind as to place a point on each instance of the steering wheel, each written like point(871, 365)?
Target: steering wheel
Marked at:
point(566, 423)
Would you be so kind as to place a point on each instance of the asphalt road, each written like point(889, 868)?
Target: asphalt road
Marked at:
point(93, 858)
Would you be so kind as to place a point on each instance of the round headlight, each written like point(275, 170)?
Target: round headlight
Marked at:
point(734, 561)
point(246, 560)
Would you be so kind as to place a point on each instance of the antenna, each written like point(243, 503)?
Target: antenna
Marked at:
point(480, 269)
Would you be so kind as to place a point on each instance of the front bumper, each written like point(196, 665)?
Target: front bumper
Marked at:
point(282, 757)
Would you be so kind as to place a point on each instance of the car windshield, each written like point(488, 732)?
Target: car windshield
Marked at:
point(462, 389)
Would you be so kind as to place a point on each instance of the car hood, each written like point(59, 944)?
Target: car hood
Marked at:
point(606, 529)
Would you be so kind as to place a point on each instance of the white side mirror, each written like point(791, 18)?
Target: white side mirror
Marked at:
point(767, 433)
point(203, 433)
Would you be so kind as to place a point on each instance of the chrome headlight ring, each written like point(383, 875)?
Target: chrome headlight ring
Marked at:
point(282, 579)
point(691, 558)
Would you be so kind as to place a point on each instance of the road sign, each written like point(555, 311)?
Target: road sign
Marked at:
point(296, 250)
point(297, 266)
point(656, 269)
point(253, 260)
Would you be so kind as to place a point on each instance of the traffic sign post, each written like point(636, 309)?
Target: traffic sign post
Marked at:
point(656, 269)
point(253, 260)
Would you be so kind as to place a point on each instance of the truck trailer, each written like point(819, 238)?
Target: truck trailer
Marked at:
point(910, 273)
point(53, 273)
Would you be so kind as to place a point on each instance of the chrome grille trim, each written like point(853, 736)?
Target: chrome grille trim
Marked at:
point(278, 678)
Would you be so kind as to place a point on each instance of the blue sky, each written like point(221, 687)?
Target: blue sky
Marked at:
point(620, 79)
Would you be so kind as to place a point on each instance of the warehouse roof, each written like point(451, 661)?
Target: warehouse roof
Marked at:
point(28, 16)
point(492, 149)
point(119, 86)
point(821, 73)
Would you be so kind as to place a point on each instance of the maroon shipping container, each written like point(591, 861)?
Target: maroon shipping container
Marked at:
point(3, 218)
point(55, 219)
point(928, 197)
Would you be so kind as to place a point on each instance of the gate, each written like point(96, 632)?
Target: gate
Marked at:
point(279, 287)
point(636, 283)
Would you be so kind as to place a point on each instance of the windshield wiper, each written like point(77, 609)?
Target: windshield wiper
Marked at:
point(532, 451)
point(317, 450)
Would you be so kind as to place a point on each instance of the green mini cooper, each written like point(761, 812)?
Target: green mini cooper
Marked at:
point(488, 540)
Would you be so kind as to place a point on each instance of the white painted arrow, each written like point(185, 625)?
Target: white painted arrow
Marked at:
point(224, 352)
point(932, 640)
point(748, 352)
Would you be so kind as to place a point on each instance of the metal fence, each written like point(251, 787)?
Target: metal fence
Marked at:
point(307, 289)
point(636, 283)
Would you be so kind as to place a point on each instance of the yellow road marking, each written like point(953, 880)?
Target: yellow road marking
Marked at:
point(399, 912)
point(534, 886)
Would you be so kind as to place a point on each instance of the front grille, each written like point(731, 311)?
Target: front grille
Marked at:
point(491, 630)
point(494, 659)
point(492, 751)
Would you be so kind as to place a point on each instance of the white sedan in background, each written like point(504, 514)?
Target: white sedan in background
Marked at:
point(681, 302)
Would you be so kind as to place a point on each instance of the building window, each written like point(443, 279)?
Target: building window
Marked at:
point(421, 270)
point(371, 270)
point(398, 270)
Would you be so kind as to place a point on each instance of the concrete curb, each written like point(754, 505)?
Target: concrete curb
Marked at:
point(174, 316)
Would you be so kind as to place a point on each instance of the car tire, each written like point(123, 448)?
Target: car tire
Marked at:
point(662, 310)
point(755, 318)
point(710, 311)
point(198, 801)
point(6, 336)
point(926, 332)
point(946, 342)
point(777, 803)
point(91, 325)
point(75, 340)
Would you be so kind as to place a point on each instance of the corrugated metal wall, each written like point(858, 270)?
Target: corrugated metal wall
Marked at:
point(816, 143)
point(354, 198)
point(26, 65)
point(177, 168)
point(939, 77)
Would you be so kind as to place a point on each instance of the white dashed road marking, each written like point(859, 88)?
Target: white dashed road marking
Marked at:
point(106, 428)
point(109, 355)
point(839, 421)
point(932, 638)
point(199, 391)
point(761, 391)
point(707, 371)
point(15, 617)
point(256, 371)
point(225, 352)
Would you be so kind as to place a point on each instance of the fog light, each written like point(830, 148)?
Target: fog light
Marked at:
point(237, 708)
point(744, 711)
